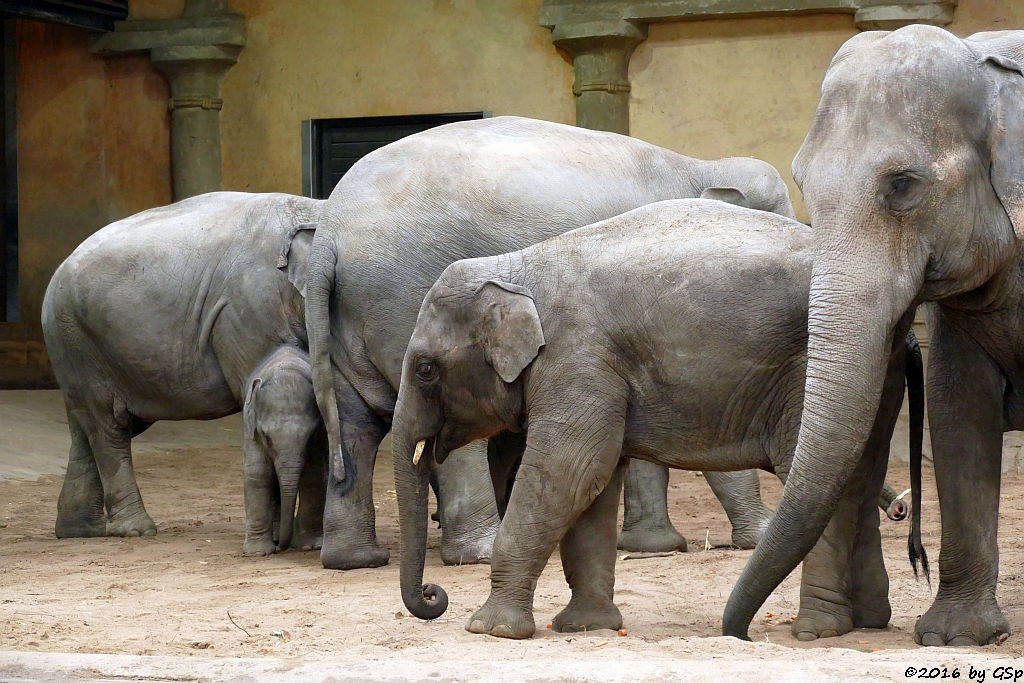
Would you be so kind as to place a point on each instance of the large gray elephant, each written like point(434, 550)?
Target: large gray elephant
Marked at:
point(913, 172)
point(407, 210)
point(674, 333)
point(163, 316)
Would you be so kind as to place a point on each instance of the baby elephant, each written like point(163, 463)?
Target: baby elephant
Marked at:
point(675, 333)
point(284, 455)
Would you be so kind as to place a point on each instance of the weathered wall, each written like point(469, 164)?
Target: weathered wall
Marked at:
point(326, 59)
point(749, 87)
point(92, 148)
point(94, 135)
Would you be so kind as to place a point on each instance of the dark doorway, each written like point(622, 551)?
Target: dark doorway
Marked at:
point(331, 146)
point(8, 175)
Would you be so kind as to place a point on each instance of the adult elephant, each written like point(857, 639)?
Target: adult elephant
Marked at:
point(406, 211)
point(913, 172)
point(163, 316)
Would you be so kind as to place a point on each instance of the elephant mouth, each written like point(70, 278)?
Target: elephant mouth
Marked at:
point(434, 445)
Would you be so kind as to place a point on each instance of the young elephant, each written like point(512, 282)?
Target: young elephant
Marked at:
point(674, 333)
point(283, 445)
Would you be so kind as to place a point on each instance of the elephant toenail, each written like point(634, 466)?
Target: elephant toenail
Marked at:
point(932, 639)
point(806, 636)
point(475, 626)
point(503, 631)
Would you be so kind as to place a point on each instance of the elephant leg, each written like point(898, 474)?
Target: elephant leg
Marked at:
point(80, 504)
point(110, 439)
point(965, 401)
point(469, 517)
point(309, 534)
point(260, 492)
point(870, 581)
point(504, 453)
point(569, 460)
point(588, 561)
point(645, 523)
point(350, 533)
point(844, 584)
point(740, 495)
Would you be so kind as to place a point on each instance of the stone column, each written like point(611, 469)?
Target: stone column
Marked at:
point(194, 52)
point(600, 53)
point(195, 74)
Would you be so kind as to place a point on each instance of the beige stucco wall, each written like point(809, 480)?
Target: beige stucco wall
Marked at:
point(749, 87)
point(94, 132)
point(325, 59)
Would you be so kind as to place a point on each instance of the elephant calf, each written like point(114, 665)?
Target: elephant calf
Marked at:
point(674, 333)
point(283, 445)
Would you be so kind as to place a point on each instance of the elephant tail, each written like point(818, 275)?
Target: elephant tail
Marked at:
point(323, 261)
point(915, 393)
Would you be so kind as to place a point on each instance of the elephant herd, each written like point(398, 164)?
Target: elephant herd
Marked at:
point(527, 307)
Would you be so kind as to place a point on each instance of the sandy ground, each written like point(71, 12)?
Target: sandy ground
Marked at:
point(194, 608)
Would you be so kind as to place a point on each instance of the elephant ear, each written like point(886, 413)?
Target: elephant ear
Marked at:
point(294, 258)
point(1007, 139)
point(512, 335)
point(249, 409)
point(729, 195)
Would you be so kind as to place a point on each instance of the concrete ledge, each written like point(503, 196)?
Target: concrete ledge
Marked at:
point(886, 13)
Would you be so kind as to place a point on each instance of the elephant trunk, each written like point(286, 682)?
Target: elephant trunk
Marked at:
point(853, 310)
point(288, 478)
point(323, 261)
point(412, 482)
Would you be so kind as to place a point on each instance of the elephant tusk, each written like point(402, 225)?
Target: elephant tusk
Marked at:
point(418, 452)
point(900, 497)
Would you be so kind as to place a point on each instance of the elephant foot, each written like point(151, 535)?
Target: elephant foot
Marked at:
point(362, 557)
point(975, 622)
point(872, 615)
point(587, 615)
point(822, 622)
point(138, 524)
point(502, 620)
point(661, 539)
point(477, 551)
point(746, 536)
point(311, 542)
point(68, 526)
point(258, 547)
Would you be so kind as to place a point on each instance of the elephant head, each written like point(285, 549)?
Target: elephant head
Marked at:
point(913, 173)
point(461, 381)
point(747, 182)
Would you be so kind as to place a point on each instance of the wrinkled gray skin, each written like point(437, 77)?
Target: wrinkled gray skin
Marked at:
point(398, 218)
point(913, 172)
point(674, 333)
point(284, 446)
point(163, 316)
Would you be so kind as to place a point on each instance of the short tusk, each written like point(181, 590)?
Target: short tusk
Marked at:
point(418, 452)
point(900, 497)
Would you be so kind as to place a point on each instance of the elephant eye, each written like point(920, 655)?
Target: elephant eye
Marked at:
point(425, 370)
point(900, 184)
point(902, 192)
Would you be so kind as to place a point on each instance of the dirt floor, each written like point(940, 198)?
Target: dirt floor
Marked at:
point(189, 594)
